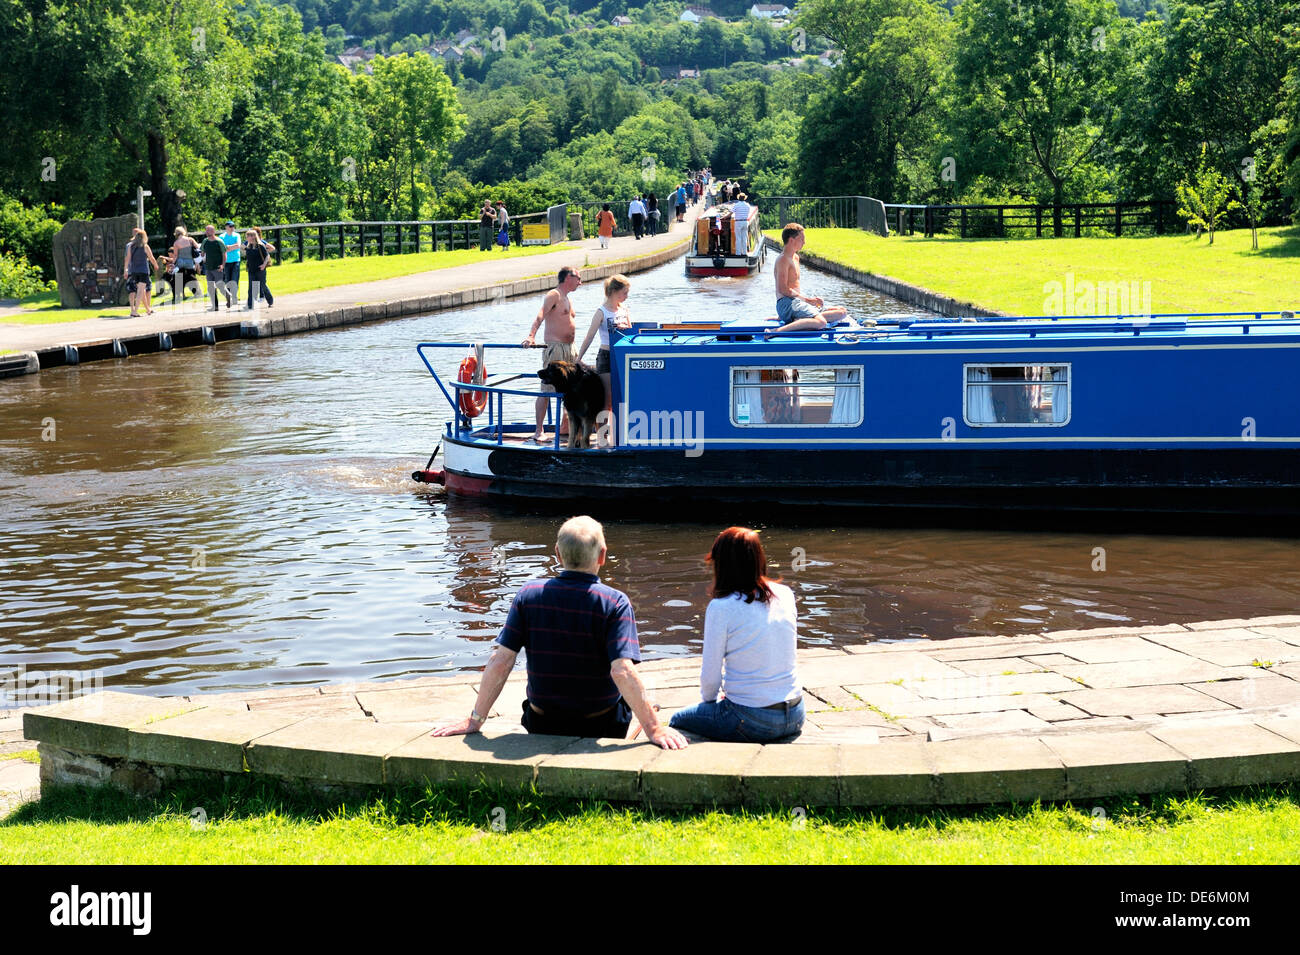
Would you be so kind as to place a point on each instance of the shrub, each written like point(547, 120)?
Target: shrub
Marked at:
point(19, 278)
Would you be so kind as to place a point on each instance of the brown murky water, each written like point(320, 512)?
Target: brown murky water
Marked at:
point(243, 516)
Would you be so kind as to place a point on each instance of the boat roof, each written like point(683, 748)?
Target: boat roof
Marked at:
point(916, 328)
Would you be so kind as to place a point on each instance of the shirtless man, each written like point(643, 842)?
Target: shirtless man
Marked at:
point(796, 310)
point(558, 315)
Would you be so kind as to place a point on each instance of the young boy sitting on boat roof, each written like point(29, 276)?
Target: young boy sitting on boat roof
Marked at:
point(795, 310)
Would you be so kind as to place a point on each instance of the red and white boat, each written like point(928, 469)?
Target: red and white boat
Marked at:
point(715, 249)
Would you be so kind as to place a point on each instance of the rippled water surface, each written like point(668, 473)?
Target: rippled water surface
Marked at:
point(243, 515)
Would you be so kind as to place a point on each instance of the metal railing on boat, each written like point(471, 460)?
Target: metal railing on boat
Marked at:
point(461, 424)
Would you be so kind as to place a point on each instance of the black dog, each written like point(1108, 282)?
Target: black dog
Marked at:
point(584, 397)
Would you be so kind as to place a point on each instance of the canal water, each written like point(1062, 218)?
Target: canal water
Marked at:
point(243, 516)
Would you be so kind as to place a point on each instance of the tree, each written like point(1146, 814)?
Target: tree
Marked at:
point(886, 95)
point(414, 118)
point(1039, 78)
point(137, 99)
point(1205, 197)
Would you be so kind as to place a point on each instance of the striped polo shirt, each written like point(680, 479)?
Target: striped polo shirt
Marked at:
point(573, 628)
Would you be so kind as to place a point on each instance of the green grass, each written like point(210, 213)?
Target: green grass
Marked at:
point(253, 822)
point(293, 277)
point(26, 755)
point(1008, 275)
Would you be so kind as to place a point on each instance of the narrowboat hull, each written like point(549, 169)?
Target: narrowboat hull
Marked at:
point(1246, 482)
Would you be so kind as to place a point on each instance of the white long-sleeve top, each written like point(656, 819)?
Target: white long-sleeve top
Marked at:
point(749, 649)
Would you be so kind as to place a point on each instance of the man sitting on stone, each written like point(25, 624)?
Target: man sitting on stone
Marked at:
point(582, 646)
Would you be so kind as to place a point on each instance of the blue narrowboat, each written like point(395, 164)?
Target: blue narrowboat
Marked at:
point(1185, 414)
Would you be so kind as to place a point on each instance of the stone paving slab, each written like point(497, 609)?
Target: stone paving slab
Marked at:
point(332, 751)
point(418, 705)
point(1116, 650)
point(899, 774)
point(211, 738)
point(1243, 652)
point(100, 723)
point(1142, 701)
point(981, 686)
point(701, 774)
point(1247, 755)
point(1280, 620)
point(1248, 694)
point(882, 668)
point(1288, 634)
point(1104, 763)
point(1175, 669)
point(997, 771)
point(491, 756)
point(793, 776)
point(597, 769)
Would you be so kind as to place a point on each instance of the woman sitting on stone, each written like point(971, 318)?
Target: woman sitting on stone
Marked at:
point(749, 650)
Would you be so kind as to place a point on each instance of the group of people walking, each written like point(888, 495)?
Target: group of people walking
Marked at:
point(218, 258)
point(582, 646)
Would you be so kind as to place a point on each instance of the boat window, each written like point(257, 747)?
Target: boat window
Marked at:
point(796, 397)
point(1017, 395)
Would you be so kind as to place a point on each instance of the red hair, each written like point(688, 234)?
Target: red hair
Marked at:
point(738, 565)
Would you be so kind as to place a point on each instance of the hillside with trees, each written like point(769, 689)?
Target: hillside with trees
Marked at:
point(319, 110)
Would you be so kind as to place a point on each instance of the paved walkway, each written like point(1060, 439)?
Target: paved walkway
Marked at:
point(493, 271)
point(1051, 716)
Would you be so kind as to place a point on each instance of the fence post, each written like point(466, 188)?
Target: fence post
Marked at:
point(381, 238)
point(1160, 217)
point(279, 243)
point(361, 239)
point(1078, 224)
point(1038, 222)
point(1119, 222)
point(963, 222)
point(783, 213)
point(301, 241)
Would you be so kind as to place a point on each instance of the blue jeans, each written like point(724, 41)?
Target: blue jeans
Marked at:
point(732, 723)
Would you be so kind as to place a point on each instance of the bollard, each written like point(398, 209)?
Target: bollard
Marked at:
point(70, 355)
point(209, 336)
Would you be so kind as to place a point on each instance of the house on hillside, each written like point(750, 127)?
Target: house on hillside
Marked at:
point(696, 14)
point(770, 11)
point(621, 21)
point(464, 38)
point(688, 74)
point(355, 56)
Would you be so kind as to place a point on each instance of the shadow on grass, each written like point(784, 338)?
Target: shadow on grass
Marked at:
point(465, 805)
point(1288, 245)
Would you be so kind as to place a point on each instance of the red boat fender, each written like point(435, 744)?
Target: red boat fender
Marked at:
point(430, 477)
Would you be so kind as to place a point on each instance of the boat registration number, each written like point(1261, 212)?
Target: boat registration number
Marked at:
point(647, 364)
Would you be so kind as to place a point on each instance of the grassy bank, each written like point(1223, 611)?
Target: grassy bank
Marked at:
point(252, 822)
point(1186, 274)
point(292, 277)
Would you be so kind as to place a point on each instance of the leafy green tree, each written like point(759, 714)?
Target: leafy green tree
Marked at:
point(137, 99)
point(886, 97)
point(414, 118)
point(1205, 197)
point(1040, 77)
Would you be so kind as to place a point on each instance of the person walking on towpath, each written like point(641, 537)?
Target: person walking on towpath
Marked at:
point(138, 267)
point(582, 648)
point(558, 317)
point(230, 271)
point(214, 260)
point(636, 215)
point(605, 225)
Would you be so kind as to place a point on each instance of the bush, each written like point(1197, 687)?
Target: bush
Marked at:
point(29, 233)
point(19, 278)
